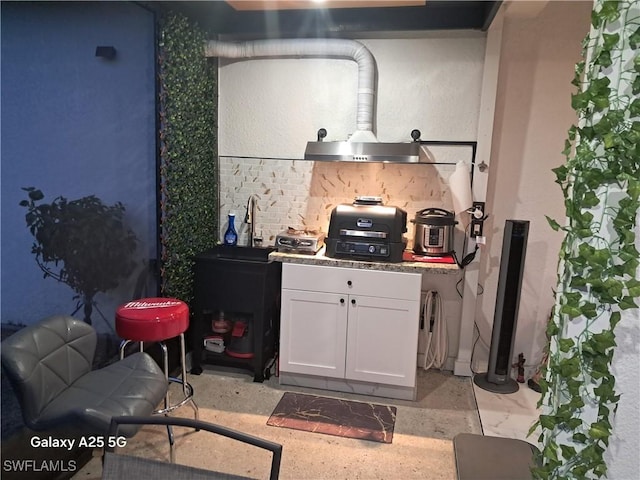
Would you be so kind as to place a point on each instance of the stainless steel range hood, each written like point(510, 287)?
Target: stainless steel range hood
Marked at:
point(364, 147)
point(363, 152)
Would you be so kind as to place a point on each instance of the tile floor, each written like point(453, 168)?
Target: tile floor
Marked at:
point(421, 441)
point(508, 415)
point(501, 415)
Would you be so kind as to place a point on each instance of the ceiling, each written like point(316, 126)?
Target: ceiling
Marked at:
point(299, 4)
point(308, 19)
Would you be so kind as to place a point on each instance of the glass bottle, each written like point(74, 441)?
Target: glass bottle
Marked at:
point(231, 236)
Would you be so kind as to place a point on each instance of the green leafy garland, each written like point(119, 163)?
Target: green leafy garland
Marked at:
point(598, 259)
point(188, 153)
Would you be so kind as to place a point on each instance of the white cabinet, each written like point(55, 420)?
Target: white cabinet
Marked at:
point(352, 324)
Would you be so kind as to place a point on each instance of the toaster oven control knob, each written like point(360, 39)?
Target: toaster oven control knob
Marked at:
point(415, 134)
point(349, 282)
point(321, 134)
point(353, 301)
point(342, 301)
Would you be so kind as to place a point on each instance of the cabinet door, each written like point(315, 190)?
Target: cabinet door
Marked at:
point(382, 340)
point(313, 330)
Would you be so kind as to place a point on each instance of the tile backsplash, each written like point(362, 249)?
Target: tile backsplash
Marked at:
point(301, 194)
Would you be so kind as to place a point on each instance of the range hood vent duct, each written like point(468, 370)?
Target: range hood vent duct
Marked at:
point(362, 145)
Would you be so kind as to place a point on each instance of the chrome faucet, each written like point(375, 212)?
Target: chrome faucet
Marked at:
point(250, 219)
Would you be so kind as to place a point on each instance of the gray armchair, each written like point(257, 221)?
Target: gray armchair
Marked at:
point(49, 366)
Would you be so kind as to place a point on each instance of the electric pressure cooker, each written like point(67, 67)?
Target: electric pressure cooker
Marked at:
point(434, 232)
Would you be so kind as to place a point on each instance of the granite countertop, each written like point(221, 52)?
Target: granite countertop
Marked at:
point(321, 259)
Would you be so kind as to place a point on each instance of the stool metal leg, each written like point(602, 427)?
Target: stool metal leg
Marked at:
point(165, 360)
point(167, 406)
point(124, 343)
point(172, 450)
point(186, 388)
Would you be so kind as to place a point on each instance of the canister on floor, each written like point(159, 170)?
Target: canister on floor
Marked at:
point(241, 343)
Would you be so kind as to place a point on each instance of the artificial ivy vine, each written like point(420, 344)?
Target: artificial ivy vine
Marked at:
point(598, 258)
point(188, 153)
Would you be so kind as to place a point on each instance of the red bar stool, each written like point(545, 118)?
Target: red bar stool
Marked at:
point(158, 320)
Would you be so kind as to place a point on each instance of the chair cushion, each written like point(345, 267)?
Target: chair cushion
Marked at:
point(132, 386)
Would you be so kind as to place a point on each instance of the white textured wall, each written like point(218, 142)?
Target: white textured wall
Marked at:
point(622, 455)
point(533, 114)
point(270, 108)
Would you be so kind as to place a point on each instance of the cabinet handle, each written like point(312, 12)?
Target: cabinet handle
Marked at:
point(342, 301)
point(353, 301)
point(349, 282)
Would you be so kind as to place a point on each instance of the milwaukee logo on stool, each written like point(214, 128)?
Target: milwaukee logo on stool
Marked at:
point(152, 304)
point(152, 319)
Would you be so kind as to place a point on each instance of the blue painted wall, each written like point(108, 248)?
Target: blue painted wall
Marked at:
point(73, 125)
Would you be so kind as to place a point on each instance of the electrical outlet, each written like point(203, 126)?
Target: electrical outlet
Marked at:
point(477, 219)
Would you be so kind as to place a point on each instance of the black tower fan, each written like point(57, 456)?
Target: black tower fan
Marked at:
point(514, 248)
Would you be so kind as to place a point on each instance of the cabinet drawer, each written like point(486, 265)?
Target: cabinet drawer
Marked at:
point(351, 281)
